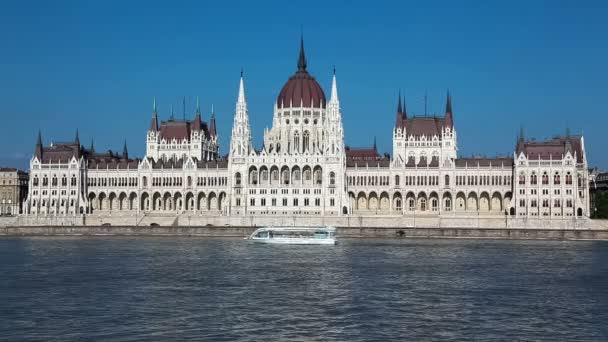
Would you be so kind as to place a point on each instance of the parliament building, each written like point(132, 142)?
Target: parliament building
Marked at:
point(304, 168)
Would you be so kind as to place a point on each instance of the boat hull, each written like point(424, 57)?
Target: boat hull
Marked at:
point(291, 241)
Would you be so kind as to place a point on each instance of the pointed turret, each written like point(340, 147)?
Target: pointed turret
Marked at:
point(172, 117)
point(334, 89)
point(125, 153)
point(302, 57)
point(399, 116)
point(197, 123)
point(240, 142)
point(154, 122)
point(212, 129)
point(568, 141)
point(449, 119)
point(77, 138)
point(241, 97)
point(92, 148)
point(404, 109)
point(375, 146)
point(38, 149)
point(520, 140)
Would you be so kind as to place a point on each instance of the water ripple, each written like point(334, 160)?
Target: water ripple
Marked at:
point(179, 289)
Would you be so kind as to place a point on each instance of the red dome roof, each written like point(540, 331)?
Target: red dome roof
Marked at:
point(301, 88)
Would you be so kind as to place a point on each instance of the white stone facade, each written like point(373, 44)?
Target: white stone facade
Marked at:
point(305, 169)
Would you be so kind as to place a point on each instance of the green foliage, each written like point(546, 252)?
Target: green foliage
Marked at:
point(601, 202)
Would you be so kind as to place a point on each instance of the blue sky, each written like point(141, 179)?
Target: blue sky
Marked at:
point(96, 66)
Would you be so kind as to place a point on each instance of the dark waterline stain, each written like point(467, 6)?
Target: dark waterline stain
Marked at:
point(126, 289)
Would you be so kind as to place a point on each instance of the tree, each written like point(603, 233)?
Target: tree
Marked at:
point(601, 206)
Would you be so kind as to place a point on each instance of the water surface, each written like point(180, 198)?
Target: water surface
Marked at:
point(169, 289)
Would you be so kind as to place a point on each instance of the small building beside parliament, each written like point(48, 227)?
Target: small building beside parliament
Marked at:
point(304, 168)
point(13, 191)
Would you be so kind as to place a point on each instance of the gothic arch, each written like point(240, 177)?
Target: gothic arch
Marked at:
point(212, 201)
point(472, 201)
point(145, 202)
point(484, 201)
point(361, 201)
point(201, 201)
point(190, 204)
point(461, 202)
point(433, 203)
point(122, 201)
point(397, 201)
point(447, 201)
point(496, 202)
point(372, 201)
point(168, 202)
point(157, 202)
point(385, 202)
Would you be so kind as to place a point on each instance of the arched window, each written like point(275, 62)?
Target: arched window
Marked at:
point(447, 180)
point(145, 181)
point(534, 179)
point(296, 141)
point(317, 176)
point(332, 178)
point(73, 183)
point(35, 180)
point(64, 180)
point(396, 180)
point(423, 204)
point(237, 178)
point(189, 181)
point(568, 178)
point(54, 181)
point(545, 178)
point(556, 179)
point(253, 177)
point(522, 179)
point(306, 141)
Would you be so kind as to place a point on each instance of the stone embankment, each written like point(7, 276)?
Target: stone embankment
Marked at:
point(348, 227)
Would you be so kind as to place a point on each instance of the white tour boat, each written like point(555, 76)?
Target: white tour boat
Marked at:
point(295, 235)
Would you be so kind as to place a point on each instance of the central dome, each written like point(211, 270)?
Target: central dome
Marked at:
point(301, 90)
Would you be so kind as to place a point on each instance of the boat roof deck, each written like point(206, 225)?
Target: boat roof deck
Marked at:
point(295, 229)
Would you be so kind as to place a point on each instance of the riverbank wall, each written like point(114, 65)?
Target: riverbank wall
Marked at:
point(350, 227)
point(342, 232)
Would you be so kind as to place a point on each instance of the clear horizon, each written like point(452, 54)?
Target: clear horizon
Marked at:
point(96, 67)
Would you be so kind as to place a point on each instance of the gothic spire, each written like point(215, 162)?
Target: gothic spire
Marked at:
point(404, 108)
point(399, 106)
point(172, 117)
point(241, 98)
point(125, 153)
point(38, 149)
point(448, 104)
point(92, 148)
point(520, 139)
point(375, 147)
point(334, 89)
point(302, 58)
point(77, 139)
point(449, 119)
point(154, 121)
point(212, 128)
point(198, 106)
